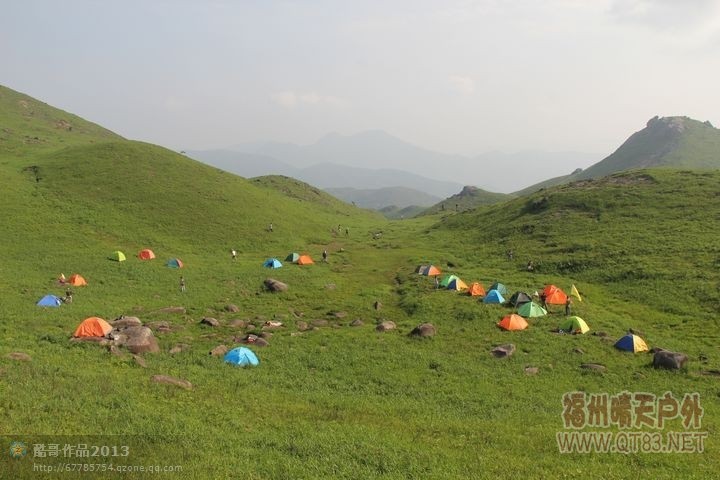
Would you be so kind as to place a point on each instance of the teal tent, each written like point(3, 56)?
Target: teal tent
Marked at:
point(493, 296)
point(49, 301)
point(293, 257)
point(174, 263)
point(272, 263)
point(241, 356)
point(502, 289)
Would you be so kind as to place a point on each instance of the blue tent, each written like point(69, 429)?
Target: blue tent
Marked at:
point(49, 301)
point(493, 296)
point(631, 343)
point(502, 289)
point(272, 263)
point(241, 356)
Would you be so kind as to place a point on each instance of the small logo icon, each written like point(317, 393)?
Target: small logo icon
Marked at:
point(18, 449)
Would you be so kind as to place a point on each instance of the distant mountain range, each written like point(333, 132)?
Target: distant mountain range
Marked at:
point(376, 160)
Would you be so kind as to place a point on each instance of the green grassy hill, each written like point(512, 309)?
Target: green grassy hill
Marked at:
point(330, 400)
point(671, 142)
point(468, 199)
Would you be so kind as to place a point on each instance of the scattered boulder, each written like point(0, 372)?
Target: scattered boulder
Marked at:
point(124, 322)
point(232, 308)
point(302, 326)
point(178, 382)
point(261, 342)
point(219, 351)
point(270, 325)
point(503, 351)
point(298, 313)
point(531, 370)
point(669, 360)
point(275, 285)
point(595, 367)
point(357, 323)
point(265, 335)
point(213, 322)
point(238, 323)
point(137, 340)
point(339, 314)
point(386, 326)
point(377, 305)
point(423, 330)
point(19, 356)
point(578, 350)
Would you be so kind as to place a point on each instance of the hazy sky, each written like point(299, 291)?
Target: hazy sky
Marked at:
point(453, 76)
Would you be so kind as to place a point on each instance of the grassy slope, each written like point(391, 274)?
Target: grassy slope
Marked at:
point(468, 199)
point(339, 402)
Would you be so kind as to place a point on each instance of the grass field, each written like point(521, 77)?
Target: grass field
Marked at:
point(338, 401)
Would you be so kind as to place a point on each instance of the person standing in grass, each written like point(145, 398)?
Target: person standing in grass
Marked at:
point(182, 283)
point(568, 307)
point(325, 255)
point(234, 254)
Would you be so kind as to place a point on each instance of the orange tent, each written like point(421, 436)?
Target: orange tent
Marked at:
point(305, 260)
point(513, 322)
point(476, 290)
point(76, 280)
point(92, 327)
point(554, 296)
point(146, 254)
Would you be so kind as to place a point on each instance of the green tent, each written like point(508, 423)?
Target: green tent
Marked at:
point(574, 325)
point(292, 258)
point(531, 309)
point(118, 256)
point(447, 279)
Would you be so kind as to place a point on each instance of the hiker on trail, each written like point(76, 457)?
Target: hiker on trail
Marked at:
point(270, 227)
point(437, 282)
point(182, 283)
point(325, 255)
point(568, 308)
point(234, 254)
point(347, 231)
point(530, 266)
point(68, 296)
point(543, 300)
point(510, 254)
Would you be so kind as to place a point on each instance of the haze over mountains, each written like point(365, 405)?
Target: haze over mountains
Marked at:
point(375, 159)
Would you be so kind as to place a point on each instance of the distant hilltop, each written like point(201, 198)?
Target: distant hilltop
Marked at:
point(677, 142)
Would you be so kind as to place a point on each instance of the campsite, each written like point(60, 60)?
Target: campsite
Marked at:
point(359, 367)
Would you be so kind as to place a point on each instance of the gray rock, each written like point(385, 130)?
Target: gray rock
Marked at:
point(213, 322)
point(386, 326)
point(261, 342)
point(302, 326)
point(124, 322)
point(138, 340)
point(168, 380)
point(424, 330)
point(669, 360)
point(531, 370)
point(219, 351)
point(275, 285)
point(140, 361)
point(357, 323)
point(503, 351)
point(232, 308)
